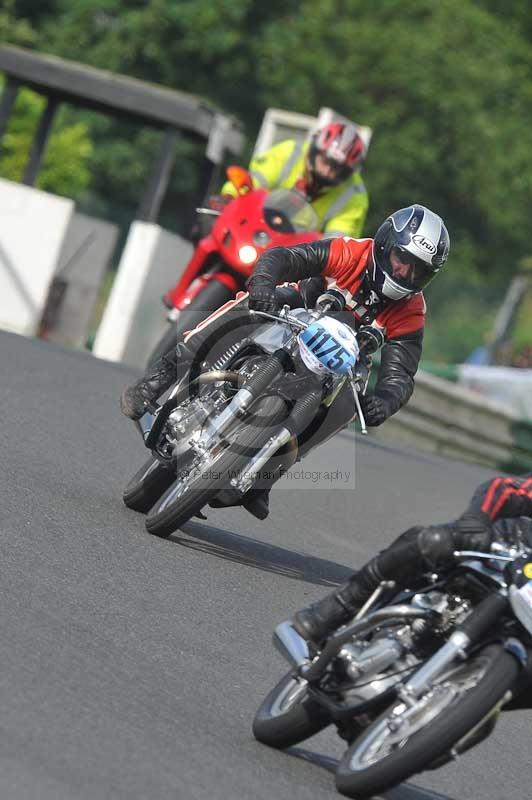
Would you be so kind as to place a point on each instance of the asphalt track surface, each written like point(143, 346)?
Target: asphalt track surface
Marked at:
point(131, 667)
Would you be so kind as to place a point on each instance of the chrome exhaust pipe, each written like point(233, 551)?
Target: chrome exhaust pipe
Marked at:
point(291, 646)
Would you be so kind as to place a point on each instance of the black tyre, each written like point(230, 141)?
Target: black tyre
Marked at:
point(214, 295)
point(384, 756)
point(148, 484)
point(177, 506)
point(166, 344)
point(288, 715)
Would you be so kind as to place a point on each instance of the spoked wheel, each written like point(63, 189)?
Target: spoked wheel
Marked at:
point(405, 740)
point(166, 344)
point(148, 484)
point(194, 488)
point(288, 715)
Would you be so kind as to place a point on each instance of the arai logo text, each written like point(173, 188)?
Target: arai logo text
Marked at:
point(424, 244)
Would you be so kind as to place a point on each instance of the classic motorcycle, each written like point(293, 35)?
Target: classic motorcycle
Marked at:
point(226, 424)
point(233, 239)
point(419, 676)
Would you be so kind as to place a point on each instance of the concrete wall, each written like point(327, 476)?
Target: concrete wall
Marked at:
point(33, 227)
point(82, 265)
point(134, 318)
point(453, 421)
point(509, 386)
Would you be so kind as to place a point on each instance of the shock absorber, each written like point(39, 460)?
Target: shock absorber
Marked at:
point(276, 364)
point(304, 411)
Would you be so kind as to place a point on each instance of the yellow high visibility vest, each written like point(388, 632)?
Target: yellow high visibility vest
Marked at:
point(341, 210)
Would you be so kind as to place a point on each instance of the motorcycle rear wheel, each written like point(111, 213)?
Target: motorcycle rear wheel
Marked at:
point(176, 506)
point(382, 757)
point(288, 715)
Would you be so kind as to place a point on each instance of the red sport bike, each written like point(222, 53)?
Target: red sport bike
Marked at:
point(224, 258)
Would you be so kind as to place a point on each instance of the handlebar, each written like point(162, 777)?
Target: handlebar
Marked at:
point(468, 554)
point(333, 300)
point(209, 211)
point(281, 317)
point(370, 339)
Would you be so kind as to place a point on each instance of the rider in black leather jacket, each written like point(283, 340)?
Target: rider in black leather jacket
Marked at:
point(422, 550)
point(382, 280)
point(399, 323)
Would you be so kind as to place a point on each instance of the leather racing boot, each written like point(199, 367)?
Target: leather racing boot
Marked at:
point(416, 551)
point(135, 399)
point(315, 622)
point(257, 499)
point(257, 502)
point(398, 563)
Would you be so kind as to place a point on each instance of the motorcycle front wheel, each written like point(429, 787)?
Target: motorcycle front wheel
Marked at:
point(288, 715)
point(214, 295)
point(193, 490)
point(406, 740)
point(148, 484)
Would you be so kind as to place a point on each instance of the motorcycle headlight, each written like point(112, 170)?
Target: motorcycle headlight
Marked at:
point(247, 254)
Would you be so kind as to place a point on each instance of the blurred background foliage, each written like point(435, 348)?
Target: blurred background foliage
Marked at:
point(446, 86)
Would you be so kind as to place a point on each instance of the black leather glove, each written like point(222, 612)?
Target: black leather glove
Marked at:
point(437, 543)
point(262, 296)
point(376, 409)
point(472, 531)
point(311, 288)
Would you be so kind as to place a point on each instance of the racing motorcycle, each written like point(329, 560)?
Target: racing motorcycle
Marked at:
point(418, 676)
point(226, 424)
point(233, 239)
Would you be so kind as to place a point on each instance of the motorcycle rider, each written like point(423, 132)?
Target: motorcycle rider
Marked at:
point(422, 550)
point(382, 279)
point(326, 169)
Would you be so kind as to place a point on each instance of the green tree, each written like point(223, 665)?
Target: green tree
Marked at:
point(14, 28)
point(65, 167)
point(446, 87)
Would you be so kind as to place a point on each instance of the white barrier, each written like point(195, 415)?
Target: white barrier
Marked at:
point(453, 421)
point(33, 226)
point(134, 317)
point(507, 385)
point(83, 263)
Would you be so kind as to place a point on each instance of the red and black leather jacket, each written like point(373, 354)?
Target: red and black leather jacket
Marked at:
point(346, 263)
point(503, 498)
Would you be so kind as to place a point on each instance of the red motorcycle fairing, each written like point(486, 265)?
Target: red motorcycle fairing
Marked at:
point(183, 298)
point(241, 224)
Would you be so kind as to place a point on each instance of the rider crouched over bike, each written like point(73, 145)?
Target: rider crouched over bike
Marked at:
point(382, 280)
point(422, 550)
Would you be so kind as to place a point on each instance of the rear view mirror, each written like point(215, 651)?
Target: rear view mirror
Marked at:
point(240, 178)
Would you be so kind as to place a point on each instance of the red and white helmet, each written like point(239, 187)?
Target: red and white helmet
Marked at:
point(341, 145)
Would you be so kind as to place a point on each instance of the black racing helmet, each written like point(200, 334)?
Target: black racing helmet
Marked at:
point(409, 249)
